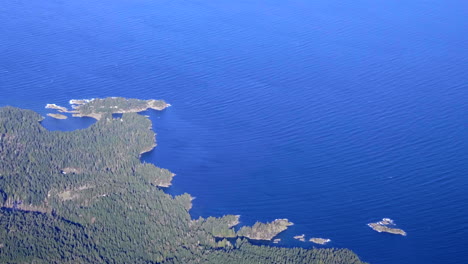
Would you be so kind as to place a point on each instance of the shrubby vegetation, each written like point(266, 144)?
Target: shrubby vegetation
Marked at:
point(264, 231)
point(85, 197)
point(118, 105)
point(219, 226)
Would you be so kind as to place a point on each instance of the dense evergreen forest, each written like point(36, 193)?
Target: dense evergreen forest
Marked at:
point(85, 197)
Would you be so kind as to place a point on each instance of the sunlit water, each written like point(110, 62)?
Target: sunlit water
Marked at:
point(332, 114)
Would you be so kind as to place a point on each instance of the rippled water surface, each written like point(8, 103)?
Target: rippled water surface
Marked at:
point(332, 114)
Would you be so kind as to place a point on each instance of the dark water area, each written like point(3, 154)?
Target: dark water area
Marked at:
point(69, 124)
point(332, 114)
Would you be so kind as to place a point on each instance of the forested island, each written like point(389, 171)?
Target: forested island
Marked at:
point(85, 197)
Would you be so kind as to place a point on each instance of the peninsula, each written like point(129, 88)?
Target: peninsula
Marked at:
point(57, 116)
point(84, 196)
point(265, 231)
point(97, 108)
point(385, 226)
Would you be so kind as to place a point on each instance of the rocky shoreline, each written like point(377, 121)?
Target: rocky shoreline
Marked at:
point(385, 226)
point(97, 108)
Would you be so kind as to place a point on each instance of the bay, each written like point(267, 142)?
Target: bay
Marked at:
point(332, 114)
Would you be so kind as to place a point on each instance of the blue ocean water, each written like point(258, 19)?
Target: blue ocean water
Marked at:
point(332, 114)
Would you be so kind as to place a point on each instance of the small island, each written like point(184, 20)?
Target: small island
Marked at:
point(385, 226)
point(262, 231)
point(300, 237)
point(321, 241)
point(57, 116)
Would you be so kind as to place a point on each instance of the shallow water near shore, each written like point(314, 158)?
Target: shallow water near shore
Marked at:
point(330, 114)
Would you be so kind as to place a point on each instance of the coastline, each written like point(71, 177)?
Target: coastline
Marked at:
point(78, 106)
